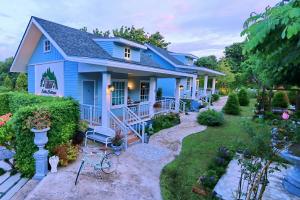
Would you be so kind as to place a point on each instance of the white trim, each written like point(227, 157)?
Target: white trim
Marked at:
point(129, 66)
point(47, 62)
point(90, 80)
point(121, 40)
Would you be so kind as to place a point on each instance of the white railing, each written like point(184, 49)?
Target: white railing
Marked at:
point(164, 105)
point(91, 114)
point(140, 109)
point(134, 123)
point(117, 125)
point(182, 106)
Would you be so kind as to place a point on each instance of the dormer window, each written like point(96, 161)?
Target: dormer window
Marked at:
point(127, 53)
point(47, 46)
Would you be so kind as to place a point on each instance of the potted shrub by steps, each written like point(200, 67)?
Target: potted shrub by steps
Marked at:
point(117, 143)
point(39, 124)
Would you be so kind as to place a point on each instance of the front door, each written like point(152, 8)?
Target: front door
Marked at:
point(89, 92)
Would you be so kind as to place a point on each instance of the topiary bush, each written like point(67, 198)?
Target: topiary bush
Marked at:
point(211, 118)
point(64, 115)
point(215, 97)
point(243, 97)
point(292, 95)
point(232, 106)
point(280, 100)
point(4, 102)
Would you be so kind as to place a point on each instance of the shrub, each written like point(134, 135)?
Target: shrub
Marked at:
point(210, 118)
point(165, 121)
point(232, 105)
point(292, 95)
point(66, 153)
point(8, 83)
point(252, 93)
point(4, 102)
point(21, 82)
point(243, 97)
point(280, 100)
point(64, 119)
point(215, 97)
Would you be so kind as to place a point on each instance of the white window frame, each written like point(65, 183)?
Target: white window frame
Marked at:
point(127, 53)
point(188, 84)
point(47, 43)
point(125, 93)
point(144, 81)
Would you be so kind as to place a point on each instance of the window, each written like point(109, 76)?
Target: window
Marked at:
point(47, 46)
point(118, 95)
point(127, 53)
point(144, 96)
point(188, 84)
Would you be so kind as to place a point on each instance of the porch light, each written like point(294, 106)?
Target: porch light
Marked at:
point(181, 87)
point(111, 88)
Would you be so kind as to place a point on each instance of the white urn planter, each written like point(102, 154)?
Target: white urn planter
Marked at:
point(41, 156)
point(53, 160)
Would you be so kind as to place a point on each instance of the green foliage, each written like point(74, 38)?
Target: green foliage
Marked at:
point(234, 53)
point(2, 171)
point(4, 102)
point(226, 81)
point(208, 61)
point(4, 70)
point(215, 97)
point(64, 118)
point(273, 36)
point(8, 83)
point(280, 100)
point(165, 121)
point(243, 97)
point(159, 93)
point(292, 95)
point(21, 82)
point(210, 118)
point(232, 105)
point(7, 135)
point(252, 93)
point(67, 153)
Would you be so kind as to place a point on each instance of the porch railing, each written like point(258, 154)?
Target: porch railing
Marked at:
point(91, 114)
point(116, 124)
point(141, 109)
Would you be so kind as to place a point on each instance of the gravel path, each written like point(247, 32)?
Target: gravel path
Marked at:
point(138, 173)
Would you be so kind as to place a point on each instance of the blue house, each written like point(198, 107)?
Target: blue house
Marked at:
point(115, 80)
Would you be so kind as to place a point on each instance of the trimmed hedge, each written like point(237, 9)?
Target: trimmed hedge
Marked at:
point(64, 118)
point(232, 105)
point(215, 97)
point(211, 118)
point(243, 97)
point(4, 104)
point(280, 100)
point(165, 121)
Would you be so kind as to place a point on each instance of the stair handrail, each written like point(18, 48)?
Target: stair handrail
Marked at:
point(138, 126)
point(121, 125)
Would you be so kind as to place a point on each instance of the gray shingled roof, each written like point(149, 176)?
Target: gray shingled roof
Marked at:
point(81, 44)
point(166, 54)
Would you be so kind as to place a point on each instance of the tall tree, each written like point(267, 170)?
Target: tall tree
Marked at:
point(229, 78)
point(234, 53)
point(8, 83)
point(210, 62)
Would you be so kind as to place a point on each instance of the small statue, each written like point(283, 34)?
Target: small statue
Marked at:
point(53, 160)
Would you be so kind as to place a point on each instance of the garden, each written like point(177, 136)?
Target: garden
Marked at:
point(22, 112)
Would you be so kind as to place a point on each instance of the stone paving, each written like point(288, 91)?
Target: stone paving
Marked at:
point(138, 173)
point(227, 185)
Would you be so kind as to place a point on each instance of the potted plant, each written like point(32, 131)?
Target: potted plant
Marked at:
point(80, 134)
point(117, 143)
point(39, 124)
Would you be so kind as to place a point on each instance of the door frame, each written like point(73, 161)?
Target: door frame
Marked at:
point(89, 80)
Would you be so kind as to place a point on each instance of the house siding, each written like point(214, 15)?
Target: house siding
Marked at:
point(108, 46)
point(71, 80)
point(162, 62)
point(31, 78)
point(39, 56)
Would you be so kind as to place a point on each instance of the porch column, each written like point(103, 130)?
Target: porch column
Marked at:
point(105, 95)
point(213, 88)
point(177, 95)
point(152, 95)
point(205, 84)
point(194, 87)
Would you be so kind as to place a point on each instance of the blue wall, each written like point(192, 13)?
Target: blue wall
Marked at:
point(167, 85)
point(39, 56)
point(31, 78)
point(162, 62)
point(71, 79)
point(108, 46)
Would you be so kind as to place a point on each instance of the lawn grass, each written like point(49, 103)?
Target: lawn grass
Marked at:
point(179, 176)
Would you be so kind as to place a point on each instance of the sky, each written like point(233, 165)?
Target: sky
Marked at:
point(192, 26)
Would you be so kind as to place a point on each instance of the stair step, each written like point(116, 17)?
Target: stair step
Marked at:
point(133, 139)
point(15, 189)
point(4, 177)
point(9, 183)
